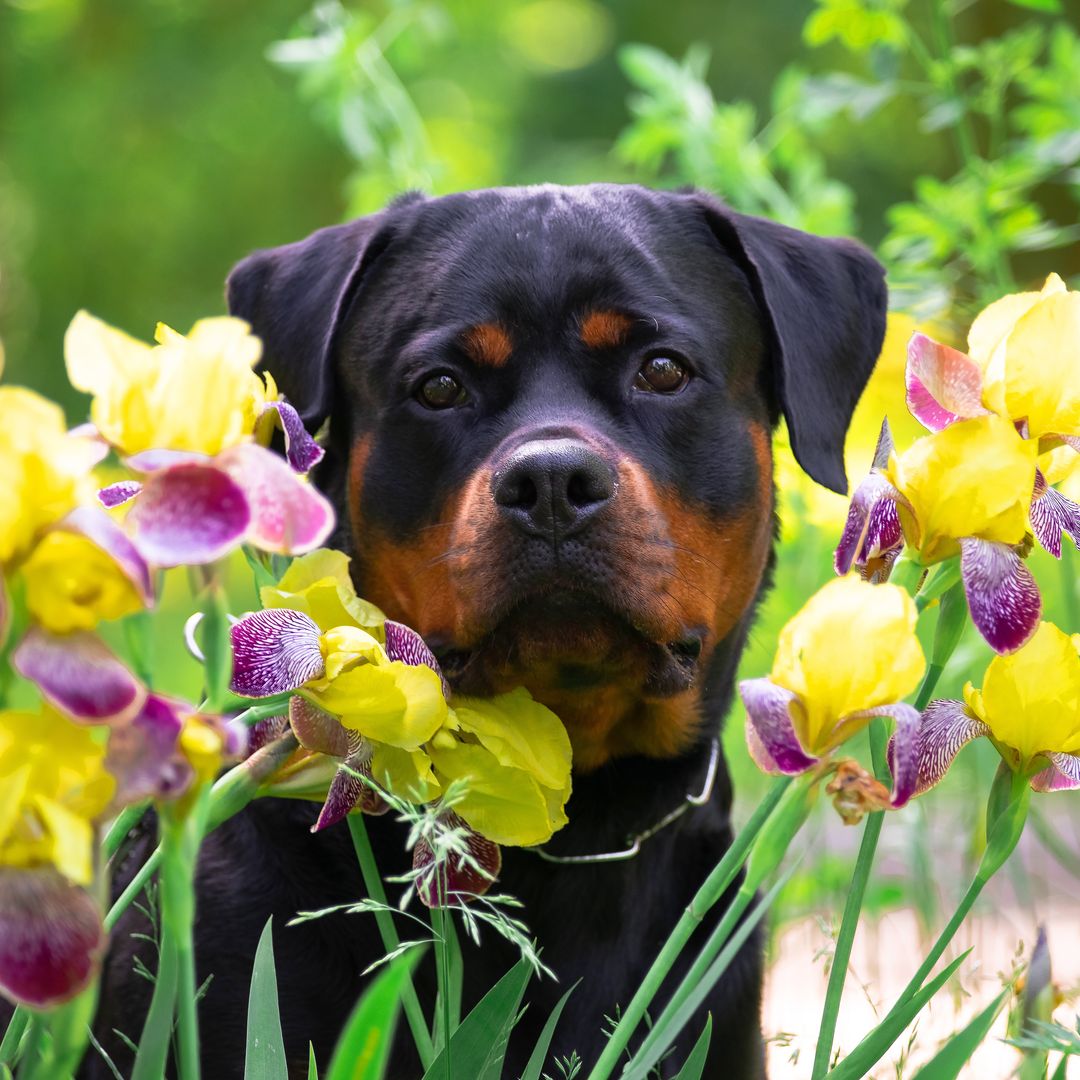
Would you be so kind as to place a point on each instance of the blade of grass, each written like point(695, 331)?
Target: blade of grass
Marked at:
point(540, 1050)
point(952, 1057)
point(414, 1014)
point(694, 1065)
point(876, 1044)
point(364, 1049)
point(715, 885)
point(265, 1056)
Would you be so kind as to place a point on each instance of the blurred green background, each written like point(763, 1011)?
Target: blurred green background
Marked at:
point(147, 145)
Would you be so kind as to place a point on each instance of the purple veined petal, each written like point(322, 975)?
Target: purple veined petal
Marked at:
point(903, 750)
point(945, 728)
point(317, 730)
point(405, 644)
point(943, 384)
point(1052, 514)
point(1062, 774)
point(463, 880)
point(51, 937)
point(142, 754)
point(152, 461)
point(189, 515)
point(288, 516)
point(849, 551)
point(79, 676)
point(771, 734)
point(301, 450)
point(1002, 596)
point(117, 494)
point(883, 529)
point(884, 447)
point(349, 791)
point(1071, 440)
point(100, 529)
point(273, 652)
point(265, 732)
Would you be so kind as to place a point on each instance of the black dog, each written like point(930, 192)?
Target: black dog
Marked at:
point(550, 414)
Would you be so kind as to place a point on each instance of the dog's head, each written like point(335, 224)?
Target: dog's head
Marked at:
point(550, 414)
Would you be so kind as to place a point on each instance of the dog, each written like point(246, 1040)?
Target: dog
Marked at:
point(550, 414)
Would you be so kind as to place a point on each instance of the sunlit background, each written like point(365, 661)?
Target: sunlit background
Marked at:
point(146, 146)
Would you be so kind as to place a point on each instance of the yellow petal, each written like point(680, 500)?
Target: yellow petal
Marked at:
point(71, 584)
point(974, 478)
point(405, 773)
point(1042, 366)
point(346, 646)
point(521, 733)
point(319, 585)
point(1031, 698)
point(394, 703)
point(70, 841)
point(13, 788)
point(506, 805)
point(851, 647)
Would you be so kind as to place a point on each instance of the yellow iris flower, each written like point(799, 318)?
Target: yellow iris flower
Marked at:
point(318, 584)
point(196, 393)
point(45, 471)
point(973, 478)
point(53, 785)
point(852, 647)
point(1028, 346)
point(1030, 699)
point(71, 584)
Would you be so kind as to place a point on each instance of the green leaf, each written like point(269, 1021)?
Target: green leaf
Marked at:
point(456, 976)
point(312, 1064)
point(157, 1031)
point(540, 1050)
point(876, 1044)
point(951, 1058)
point(695, 1063)
point(265, 1058)
point(478, 1046)
point(364, 1049)
point(214, 634)
point(1052, 6)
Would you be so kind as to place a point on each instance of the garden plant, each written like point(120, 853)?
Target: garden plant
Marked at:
point(191, 469)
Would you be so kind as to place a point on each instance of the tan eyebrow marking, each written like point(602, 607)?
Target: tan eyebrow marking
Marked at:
point(605, 329)
point(488, 344)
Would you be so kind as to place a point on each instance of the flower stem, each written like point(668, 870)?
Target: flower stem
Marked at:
point(125, 821)
point(907, 573)
point(849, 923)
point(385, 922)
point(715, 885)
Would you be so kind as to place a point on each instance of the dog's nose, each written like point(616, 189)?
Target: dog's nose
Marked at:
point(552, 487)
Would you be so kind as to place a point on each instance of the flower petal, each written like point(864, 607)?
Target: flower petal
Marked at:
point(854, 539)
point(315, 729)
point(466, 876)
point(301, 450)
point(142, 755)
point(288, 516)
point(265, 732)
point(274, 652)
point(101, 530)
point(943, 384)
point(349, 791)
point(405, 644)
point(1052, 514)
point(51, 937)
point(188, 515)
point(945, 729)
point(151, 461)
point(903, 751)
point(1063, 774)
point(1003, 599)
point(119, 493)
point(79, 675)
point(770, 731)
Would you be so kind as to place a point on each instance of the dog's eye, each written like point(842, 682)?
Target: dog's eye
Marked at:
point(441, 392)
point(661, 375)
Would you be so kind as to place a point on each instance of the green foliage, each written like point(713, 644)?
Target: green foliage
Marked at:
point(952, 1057)
point(695, 1063)
point(265, 1058)
point(540, 1050)
point(364, 1049)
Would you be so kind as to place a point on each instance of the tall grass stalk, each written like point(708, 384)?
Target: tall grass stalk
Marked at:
point(715, 885)
point(414, 1014)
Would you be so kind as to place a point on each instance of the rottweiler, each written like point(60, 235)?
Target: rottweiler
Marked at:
point(549, 441)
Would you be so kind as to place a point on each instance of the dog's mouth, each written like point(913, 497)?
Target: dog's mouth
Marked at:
point(571, 641)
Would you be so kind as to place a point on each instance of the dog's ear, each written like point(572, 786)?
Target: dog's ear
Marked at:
point(825, 303)
point(295, 298)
